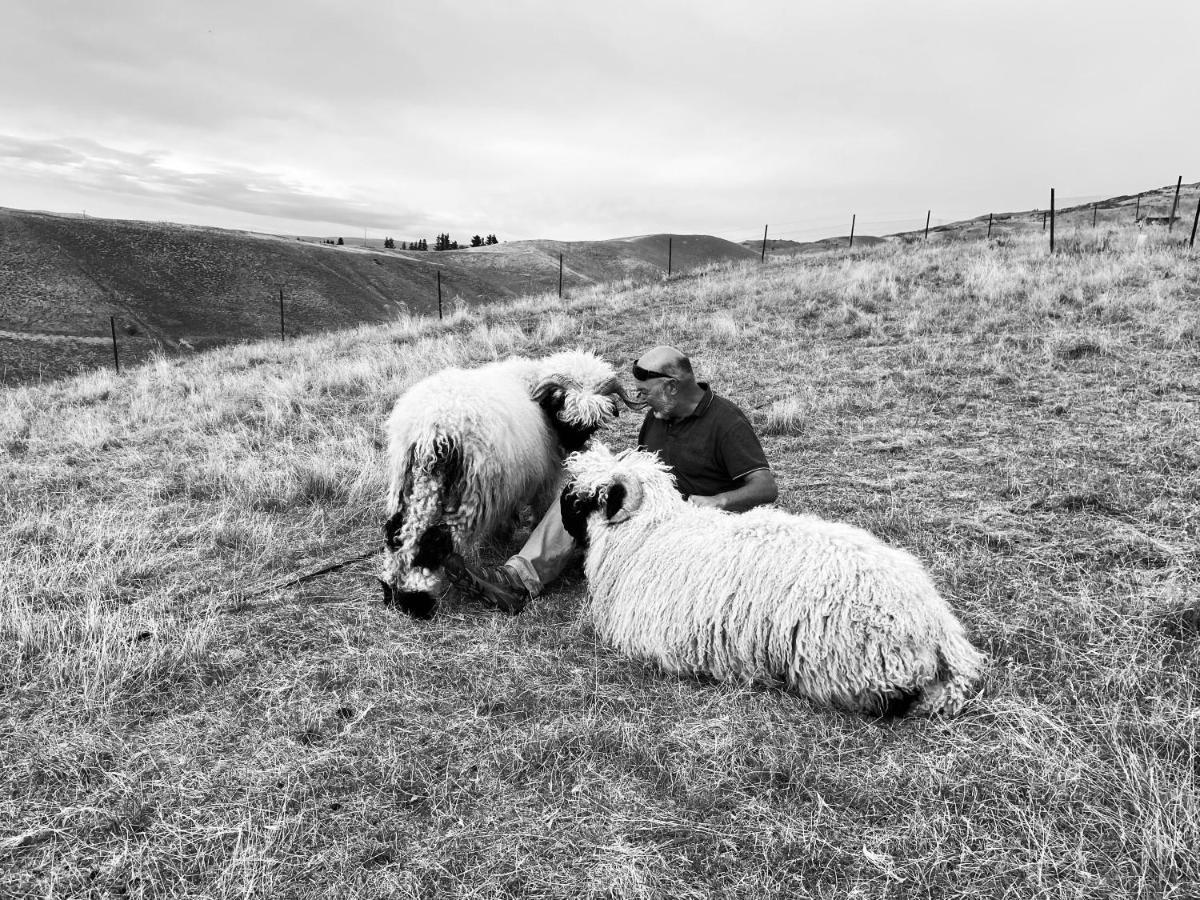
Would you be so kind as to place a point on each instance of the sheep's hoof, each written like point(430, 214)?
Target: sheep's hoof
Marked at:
point(418, 604)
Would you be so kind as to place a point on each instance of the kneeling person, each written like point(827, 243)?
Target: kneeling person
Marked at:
point(708, 442)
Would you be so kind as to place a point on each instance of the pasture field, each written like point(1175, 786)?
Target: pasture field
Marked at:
point(175, 723)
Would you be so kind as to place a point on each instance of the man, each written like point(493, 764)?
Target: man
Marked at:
point(707, 441)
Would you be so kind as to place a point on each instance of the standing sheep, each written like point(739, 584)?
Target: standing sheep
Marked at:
point(826, 609)
point(468, 448)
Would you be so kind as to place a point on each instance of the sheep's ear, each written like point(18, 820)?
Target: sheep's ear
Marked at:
point(550, 397)
point(624, 499)
point(615, 500)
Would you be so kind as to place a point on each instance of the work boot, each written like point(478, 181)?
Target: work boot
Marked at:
point(498, 586)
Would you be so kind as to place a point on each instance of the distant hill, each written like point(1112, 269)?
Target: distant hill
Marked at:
point(176, 288)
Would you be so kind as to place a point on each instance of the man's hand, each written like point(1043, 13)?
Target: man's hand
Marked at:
point(757, 489)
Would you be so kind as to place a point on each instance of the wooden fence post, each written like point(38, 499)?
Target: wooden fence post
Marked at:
point(989, 225)
point(669, 242)
point(1175, 205)
point(1137, 210)
point(112, 325)
point(1044, 214)
point(1195, 222)
point(1093, 215)
point(439, 280)
point(853, 219)
point(1051, 221)
point(763, 258)
point(281, 338)
point(927, 215)
point(560, 276)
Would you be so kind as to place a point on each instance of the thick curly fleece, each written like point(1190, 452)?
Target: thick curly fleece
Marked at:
point(824, 608)
point(509, 455)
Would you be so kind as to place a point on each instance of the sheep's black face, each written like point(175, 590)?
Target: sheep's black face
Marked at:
point(577, 507)
point(418, 604)
point(575, 510)
point(574, 423)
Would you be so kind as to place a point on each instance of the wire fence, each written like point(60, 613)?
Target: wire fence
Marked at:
point(1077, 207)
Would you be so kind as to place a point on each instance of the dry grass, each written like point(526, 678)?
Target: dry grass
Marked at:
point(1026, 425)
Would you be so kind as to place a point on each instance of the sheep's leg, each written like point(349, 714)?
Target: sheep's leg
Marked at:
point(416, 539)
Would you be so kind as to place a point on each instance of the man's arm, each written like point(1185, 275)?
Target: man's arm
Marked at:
point(757, 488)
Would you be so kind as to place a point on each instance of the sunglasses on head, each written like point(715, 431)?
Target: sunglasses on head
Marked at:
point(646, 374)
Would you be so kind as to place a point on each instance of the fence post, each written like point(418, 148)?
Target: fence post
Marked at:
point(927, 215)
point(1093, 215)
point(1051, 221)
point(1137, 210)
point(1175, 205)
point(1195, 222)
point(763, 258)
point(1044, 214)
point(560, 276)
point(853, 219)
point(112, 325)
point(281, 338)
point(439, 280)
point(989, 225)
point(669, 242)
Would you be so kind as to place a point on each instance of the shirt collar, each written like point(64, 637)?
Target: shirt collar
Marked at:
point(703, 405)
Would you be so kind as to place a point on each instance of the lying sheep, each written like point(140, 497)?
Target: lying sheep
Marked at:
point(823, 608)
point(468, 448)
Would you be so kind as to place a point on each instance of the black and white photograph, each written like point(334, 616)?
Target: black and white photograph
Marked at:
point(599, 451)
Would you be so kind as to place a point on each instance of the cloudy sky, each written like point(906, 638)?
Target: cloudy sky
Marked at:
point(574, 121)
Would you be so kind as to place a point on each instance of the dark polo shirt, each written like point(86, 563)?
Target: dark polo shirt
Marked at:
point(710, 451)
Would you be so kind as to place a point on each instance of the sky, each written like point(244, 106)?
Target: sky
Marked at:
point(573, 121)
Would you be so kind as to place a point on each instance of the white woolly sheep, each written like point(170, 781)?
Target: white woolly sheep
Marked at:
point(468, 448)
point(825, 609)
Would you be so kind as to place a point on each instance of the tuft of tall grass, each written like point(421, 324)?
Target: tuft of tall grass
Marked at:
point(786, 416)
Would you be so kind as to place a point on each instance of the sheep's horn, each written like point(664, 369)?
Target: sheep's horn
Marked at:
point(619, 390)
point(633, 498)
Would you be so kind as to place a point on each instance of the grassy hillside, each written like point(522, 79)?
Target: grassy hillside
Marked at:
point(1151, 208)
point(180, 720)
point(175, 288)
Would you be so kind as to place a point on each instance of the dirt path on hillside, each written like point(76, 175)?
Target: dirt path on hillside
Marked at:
point(52, 338)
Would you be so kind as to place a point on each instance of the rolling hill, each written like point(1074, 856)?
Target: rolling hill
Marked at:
point(200, 695)
point(1151, 207)
point(177, 288)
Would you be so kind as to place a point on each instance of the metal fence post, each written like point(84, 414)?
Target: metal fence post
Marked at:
point(439, 282)
point(1051, 220)
point(1175, 205)
point(112, 325)
point(853, 219)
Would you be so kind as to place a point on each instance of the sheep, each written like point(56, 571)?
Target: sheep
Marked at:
point(825, 609)
point(468, 448)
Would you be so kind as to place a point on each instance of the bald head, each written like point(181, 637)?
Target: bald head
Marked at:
point(666, 383)
point(668, 361)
